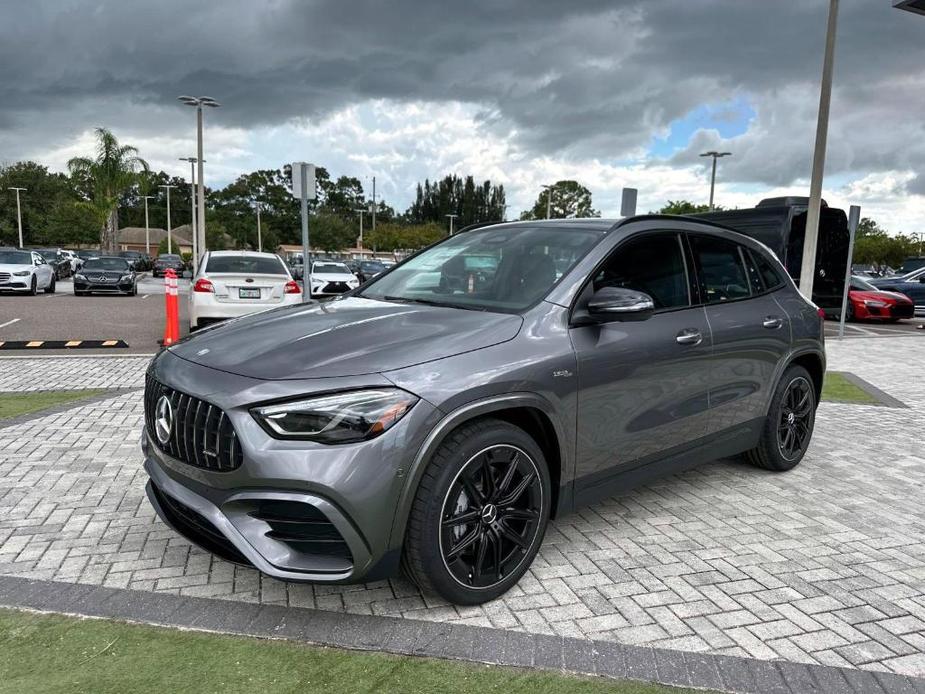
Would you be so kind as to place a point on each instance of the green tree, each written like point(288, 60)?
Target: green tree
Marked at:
point(684, 207)
point(403, 237)
point(45, 191)
point(113, 170)
point(565, 199)
point(874, 245)
point(330, 233)
point(72, 224)
point(471, 203)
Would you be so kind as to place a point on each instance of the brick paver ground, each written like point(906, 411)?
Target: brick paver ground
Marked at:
point(825, 564)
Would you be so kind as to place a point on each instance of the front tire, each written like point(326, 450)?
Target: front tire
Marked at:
point(788, 429)
point(479, 514)
point(50, 289)
point(33, 287)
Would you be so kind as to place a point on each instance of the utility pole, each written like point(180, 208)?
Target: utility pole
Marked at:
point(147, 226)
point(716, 155)
point(259, 232)
point(374, 204)
point(452, 217)
point(811, 236)
point(169, 240)
point(19, 213)
point(361, 211)
point(192, 175)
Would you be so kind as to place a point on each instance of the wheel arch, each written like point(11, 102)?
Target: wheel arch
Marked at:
point(815, 365)
point(528, 411)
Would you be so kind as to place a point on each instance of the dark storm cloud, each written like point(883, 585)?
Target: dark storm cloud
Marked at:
point(582, 79)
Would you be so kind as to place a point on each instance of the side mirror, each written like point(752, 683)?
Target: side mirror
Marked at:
point(618, 303)
point(921, 279)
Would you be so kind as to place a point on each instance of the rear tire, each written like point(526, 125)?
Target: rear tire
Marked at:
point(788, 429)
point(50, 289)
point(492, 479)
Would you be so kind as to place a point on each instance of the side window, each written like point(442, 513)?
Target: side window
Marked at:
point(721, 269)
point(770, 275)
point(751, 269)
point(653, 264)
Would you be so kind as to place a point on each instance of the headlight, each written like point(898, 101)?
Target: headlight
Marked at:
point(125, 278)
point(22, 273)
point(874, 304)
point(80, 277)
point(337, 418)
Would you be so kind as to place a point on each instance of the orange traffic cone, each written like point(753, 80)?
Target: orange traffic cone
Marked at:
point(172, 326)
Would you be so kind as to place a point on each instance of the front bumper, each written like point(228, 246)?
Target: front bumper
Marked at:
point(295, 510)
point(113, 287)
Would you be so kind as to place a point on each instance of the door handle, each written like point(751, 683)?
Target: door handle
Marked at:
point(689, 336)
point(772, 322)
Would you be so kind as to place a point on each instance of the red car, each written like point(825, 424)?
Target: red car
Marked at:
point(866, 302)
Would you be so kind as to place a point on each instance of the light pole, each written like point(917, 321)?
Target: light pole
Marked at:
point(373, 206)
point(259, 232)
point(19, 213)
point(169, 240)
point(715, 155)
point(361, 212)
point(147, 227)
point(198, 102)
point(548, 190)
point(808, 266)
point(452, 217)
point(192, 191)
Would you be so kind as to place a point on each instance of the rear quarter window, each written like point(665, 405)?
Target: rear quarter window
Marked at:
point(770, 276)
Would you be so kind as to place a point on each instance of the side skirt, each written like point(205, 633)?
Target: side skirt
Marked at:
point(599, 486)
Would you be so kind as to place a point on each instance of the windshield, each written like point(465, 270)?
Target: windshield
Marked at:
point(86, 254)
point(245, 265)
point(372, 267)
point(330, 268)
point(49, 255)
point(168, 258)
point(15, 258)
point(105, 264)
point(862, 285)
point(505, 269)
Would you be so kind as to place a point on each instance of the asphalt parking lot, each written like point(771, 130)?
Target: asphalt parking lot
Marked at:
point(136, 320)
point(903, 328)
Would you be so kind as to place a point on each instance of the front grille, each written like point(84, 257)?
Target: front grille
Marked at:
point(201, 434)
point(196, 527)
point(903, 311)
point(335, 288)
point(304, 528)
point(4, 277)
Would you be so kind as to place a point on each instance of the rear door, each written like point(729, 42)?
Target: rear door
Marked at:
point(643, 384)
point(751, 332)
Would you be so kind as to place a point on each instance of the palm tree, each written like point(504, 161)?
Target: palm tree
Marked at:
point(115, 169)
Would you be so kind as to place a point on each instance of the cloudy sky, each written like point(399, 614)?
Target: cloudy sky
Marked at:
point(525, 92)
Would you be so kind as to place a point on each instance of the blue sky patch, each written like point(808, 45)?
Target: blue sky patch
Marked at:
point(729, 119)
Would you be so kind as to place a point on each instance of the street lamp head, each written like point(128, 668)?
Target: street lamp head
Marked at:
point(714, 153)
point(199, 101)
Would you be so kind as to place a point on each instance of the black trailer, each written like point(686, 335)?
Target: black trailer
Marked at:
point(780, 224)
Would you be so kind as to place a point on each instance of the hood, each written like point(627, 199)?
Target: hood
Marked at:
point(12, 267)
point(888, 297)
point(350, 337)
point(333, 276)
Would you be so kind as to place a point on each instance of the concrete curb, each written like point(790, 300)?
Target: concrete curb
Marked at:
point(450, 641)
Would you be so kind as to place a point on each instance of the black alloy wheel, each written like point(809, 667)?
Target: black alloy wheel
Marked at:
point(795, 421)
point(490, 516)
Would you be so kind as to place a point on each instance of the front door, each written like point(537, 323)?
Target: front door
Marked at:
point(643, 384)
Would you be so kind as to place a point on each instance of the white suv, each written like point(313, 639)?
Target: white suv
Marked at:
point(229, 284)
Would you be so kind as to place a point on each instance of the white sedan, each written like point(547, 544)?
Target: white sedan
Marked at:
point(329, 278)
point(25, 271)
point(230, 284)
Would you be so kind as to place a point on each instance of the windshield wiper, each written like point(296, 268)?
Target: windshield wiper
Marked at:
point(428, 302)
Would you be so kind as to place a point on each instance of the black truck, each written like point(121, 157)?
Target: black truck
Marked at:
point(780, 224)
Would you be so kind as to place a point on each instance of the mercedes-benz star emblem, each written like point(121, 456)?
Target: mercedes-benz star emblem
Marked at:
point(163, 419)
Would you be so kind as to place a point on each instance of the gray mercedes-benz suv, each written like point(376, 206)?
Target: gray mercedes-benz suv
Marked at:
point(440, 414)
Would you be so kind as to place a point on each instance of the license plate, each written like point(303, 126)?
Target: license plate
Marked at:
point(248, 293)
